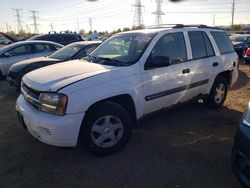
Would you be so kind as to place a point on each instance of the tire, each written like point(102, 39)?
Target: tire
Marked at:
point(103, 138)
point(1, 76)
point(215, 99)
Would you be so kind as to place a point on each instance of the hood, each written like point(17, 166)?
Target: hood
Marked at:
point(18, 66)
point(54, 77)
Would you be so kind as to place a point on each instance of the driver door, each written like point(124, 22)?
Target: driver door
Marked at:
point(165, 86)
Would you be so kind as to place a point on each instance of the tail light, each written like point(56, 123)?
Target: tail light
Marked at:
point(247, 52)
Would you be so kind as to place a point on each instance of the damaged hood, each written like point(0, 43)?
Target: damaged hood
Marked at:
point(54, 77)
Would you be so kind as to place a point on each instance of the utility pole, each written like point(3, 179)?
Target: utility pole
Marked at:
point(213, 19)
point(52, 27)
point(34, 17)
point(18, 16)
point(233, 9)
point(158, 12)
point(7, 27)
point(138, 18)
point(90, 24)
point(78, 25)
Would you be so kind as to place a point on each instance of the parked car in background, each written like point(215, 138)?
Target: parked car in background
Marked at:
point(5, 41)
point(241, 151)
point(95, 103)
point(19, 51)
point(72, 51)
point(247, 57)
point(241, 43)
point(61, 38)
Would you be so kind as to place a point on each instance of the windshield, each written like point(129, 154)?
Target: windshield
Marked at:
point(66, 52)
point(239, 39)
point(122, 50)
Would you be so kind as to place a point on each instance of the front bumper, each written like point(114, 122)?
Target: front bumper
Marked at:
point(50, 129)
point(241, 154)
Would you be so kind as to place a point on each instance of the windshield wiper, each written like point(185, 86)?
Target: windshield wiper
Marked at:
point(110, 60)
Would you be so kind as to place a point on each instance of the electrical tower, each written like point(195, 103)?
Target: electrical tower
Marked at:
point(138, 18)
point(158, 12)
point(34, 17)
point(233, 9)
point(52, 27)
point(18, 16)
point(90, 24)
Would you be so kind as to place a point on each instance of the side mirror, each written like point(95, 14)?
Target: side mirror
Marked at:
point(158, 61)
point(7, 54)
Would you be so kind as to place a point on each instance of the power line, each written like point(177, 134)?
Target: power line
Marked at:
point(138, 18)
point(34, 17)
point(18, 16)
point(158, 12)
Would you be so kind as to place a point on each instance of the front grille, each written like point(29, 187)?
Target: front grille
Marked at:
point(31, 91)
point(31, 96)
point(12, 74)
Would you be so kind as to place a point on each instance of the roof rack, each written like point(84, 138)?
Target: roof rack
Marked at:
point(177, 26)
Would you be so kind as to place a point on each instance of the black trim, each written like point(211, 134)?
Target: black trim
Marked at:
point(175, 90)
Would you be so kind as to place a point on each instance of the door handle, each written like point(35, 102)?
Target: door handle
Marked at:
point(186, 71)
point(215, 64)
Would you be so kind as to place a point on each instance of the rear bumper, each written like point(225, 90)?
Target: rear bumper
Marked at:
point(50, 129)
point(241, 155)
point(247, 60)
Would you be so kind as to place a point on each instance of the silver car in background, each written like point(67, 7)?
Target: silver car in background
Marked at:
point(19, 51)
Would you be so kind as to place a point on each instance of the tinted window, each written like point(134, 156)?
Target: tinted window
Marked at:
point(70, 38)
point(171, 45)
point(39, 48)
point(223, 42)
point(209, 47)
point(20, 50)
point(56, 38)
point(197, 44)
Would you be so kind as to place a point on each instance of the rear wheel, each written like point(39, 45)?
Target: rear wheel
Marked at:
point(106, 129)
point(218, 93)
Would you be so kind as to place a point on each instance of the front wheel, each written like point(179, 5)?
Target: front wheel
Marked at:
point(218, 93)
point(106, 129)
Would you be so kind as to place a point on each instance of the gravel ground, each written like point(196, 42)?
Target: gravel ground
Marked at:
point(188, 146)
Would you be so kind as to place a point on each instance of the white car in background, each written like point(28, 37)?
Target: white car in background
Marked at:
point(19, 51)
point(131, 74)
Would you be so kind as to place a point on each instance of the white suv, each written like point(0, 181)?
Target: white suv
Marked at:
point(95, 102)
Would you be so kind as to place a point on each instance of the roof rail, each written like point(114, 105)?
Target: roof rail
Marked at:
point(177, 26)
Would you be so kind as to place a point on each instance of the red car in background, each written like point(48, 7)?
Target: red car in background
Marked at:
point(247, 57)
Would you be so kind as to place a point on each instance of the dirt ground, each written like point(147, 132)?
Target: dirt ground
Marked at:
point(188, 146)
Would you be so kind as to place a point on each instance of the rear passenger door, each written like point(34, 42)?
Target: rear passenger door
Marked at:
point(202, 61)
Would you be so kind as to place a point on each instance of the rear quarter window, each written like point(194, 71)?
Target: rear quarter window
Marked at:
point(223, 42)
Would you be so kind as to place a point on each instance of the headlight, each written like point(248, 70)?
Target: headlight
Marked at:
point(53, 103)
point(246, 116)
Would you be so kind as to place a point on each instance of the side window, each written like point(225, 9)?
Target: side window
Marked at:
point(223, 42)
point(200, 44)
point(89, 49)
point(209, 47)
point(172, 46)
point(20, 50)
point(56, 38)
point(197, 44)
point(39, 48)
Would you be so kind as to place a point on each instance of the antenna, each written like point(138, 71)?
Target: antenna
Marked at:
point(158, 12)
point(138, 18)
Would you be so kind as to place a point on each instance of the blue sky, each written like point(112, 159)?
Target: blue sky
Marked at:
point(114, 14)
